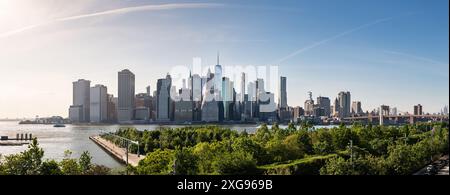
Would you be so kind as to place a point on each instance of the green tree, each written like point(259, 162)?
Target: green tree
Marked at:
point(322, 142)
point(305, 139)
point(85, 162)
point(401, 159)
point(185, 162)
point(248, 145)
point(294, 147)
point(263, 134)
point(361, 165)
point(32, 158)
point(342, 136)
point(27, 162)
point(237, 163)
point(157, 162)
point(50, 167)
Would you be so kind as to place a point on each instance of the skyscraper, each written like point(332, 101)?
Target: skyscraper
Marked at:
point(210, 107)
point(227, 96)
point(112, 108)
point(149, 93)
point(196, 95)
point(344, 104)
point(183, 107)
point(297, 113)
point(218, 80)
point(325, 104)
point(267, 108)
point(356, 108)
point(336, 108)
point(283, 94)
point(98, 104)
point(418, 109)
point(163, 105)
point(242, 88)
point(80, 109)
point(143, 106)
point(445, 110)
point(251, 100)
point(309, 105)
point(126, 82)
point(261, 96)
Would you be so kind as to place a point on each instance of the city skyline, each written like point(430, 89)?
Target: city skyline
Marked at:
point(206, 99)
point(372, 55)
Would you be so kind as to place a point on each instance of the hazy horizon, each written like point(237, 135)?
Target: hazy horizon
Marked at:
point(382, 51)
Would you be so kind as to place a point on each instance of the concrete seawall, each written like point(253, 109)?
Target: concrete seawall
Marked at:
point(117, 152)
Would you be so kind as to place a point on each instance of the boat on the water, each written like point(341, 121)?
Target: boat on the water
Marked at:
point(59, 125)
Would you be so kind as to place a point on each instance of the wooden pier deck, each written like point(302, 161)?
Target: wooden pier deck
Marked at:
point(118, 152)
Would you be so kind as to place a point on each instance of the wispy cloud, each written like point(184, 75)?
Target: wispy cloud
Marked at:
point(439, 68)
point(415, 57)
point(324, 41)
point(115, 11)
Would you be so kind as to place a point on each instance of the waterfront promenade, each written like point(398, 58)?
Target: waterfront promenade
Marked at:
point(117, 152)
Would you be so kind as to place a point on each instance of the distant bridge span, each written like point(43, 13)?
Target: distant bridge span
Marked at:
point(397, 118)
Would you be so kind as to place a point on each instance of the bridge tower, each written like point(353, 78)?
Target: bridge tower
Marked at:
point(384, 111)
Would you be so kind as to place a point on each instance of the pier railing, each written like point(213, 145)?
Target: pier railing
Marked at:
point(125, 141)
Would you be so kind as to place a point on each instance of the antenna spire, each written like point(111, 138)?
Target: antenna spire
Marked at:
point(218, 55)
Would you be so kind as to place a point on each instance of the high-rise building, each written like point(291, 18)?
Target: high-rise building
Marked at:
point(418, 109)
point(143, 106)
point(356, 108)
point(297, 113)
point(195, 88)
point(183, 107)
point(81, 100)
point(283, 94)
point(318, 111)
point(335, 108)
point(261, 96)
point(325, 104)
point(268, 108)
point(164, 101)
point(126, 87)
point(227, 97)
point(112, 108)
point(218, 80)
point(98, 104)
point(149, 93)
point(210, 106)
point(252, 99)
point(242, 88)
point(344, 104)
point(76, 113)
point(81, 97)
point(243, 99)
point(309, 105)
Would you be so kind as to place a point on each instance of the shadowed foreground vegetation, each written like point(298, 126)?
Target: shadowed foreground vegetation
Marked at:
point(211, 150)
point(31, 162)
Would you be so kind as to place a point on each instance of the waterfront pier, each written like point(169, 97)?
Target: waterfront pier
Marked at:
point(117, 152)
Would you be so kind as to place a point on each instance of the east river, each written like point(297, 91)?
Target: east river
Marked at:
point(75, 138)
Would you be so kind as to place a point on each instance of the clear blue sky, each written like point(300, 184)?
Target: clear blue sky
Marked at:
point(392, 52)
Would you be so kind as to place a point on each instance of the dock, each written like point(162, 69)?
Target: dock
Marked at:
point(117, 152)
point(19, 140)
point(13, 143)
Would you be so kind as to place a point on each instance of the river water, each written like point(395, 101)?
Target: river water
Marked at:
point(75, 138)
